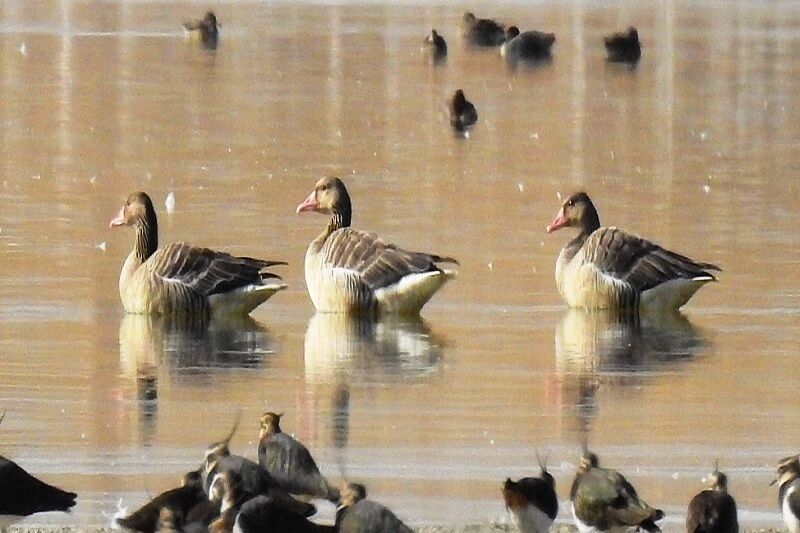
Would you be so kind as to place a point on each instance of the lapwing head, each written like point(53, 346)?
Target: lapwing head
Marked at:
point(352, 493)
point(270, 424)
point(717, 480)
point(788, 470)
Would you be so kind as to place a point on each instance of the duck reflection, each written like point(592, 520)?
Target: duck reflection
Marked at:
point(150, 346)
point(339, 347)
point(594, 348)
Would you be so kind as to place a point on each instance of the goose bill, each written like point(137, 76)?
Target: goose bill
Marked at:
point(119, 220)
point(559, 222)
point(309, 204)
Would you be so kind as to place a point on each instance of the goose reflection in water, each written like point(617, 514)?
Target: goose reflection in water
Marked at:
point(338, 346)
point(594, 348)
point(152, 348)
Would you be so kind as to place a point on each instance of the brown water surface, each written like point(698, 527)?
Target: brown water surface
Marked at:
point(697, 149)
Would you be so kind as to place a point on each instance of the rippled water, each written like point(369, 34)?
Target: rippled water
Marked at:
point(696, 149)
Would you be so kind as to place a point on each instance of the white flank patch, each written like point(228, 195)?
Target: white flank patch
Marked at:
point(791, 521)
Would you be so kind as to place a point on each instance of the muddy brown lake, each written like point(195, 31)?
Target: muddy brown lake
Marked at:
point(696, 148)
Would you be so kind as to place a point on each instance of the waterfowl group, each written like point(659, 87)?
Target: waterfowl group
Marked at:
point(231, 501)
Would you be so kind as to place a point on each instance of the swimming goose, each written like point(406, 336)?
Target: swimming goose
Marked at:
point(289, 463)
point(713, 510)
point(788, 481)
point(602, 499)
point(355, 271)
point(624, 47)
point(608, 268)
point(462, 113)
point(182, 279)
point(532, 500)
point(356, 514)
point(482, 32)
point(204, 30)
point(529, 45)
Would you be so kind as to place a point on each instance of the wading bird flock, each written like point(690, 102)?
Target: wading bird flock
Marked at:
point(356, 272)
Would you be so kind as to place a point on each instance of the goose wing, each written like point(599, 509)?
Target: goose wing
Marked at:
point(378, 263)
point(206, 271)
point(639, 262)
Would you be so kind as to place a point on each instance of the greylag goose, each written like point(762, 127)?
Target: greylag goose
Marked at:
point(788, 481)
point(603, 500)
point(713, 510)
point(355, 271)
point(624, 47)
point(205, 30)
point(183, 279)
point(436, 46)
point(530, 45)
point(289, 463)
point(356, 514)
point(532, 500)
point(608, 268)
point(482, 32)
point(462, 113)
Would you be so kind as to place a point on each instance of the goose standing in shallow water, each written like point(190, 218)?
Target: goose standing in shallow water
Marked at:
point(182, 279)
point(355, 271)
point(608, 268)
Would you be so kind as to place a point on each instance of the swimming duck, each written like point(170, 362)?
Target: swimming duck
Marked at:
point(182, 279)
point(788, 481)
point(436, 45)
point(482, 32)
point(532, 500)
point(608, 268)
point(204, 30)
point(355, 271)
point(530, 45)
point(289, 463)
point(462, 113)
point(356, 514)
point(624, 47)
point(602, 499)
point(713, 510)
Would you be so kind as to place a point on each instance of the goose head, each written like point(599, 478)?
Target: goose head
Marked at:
point(138, 210)
point(577, 211)
point(329, 196)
